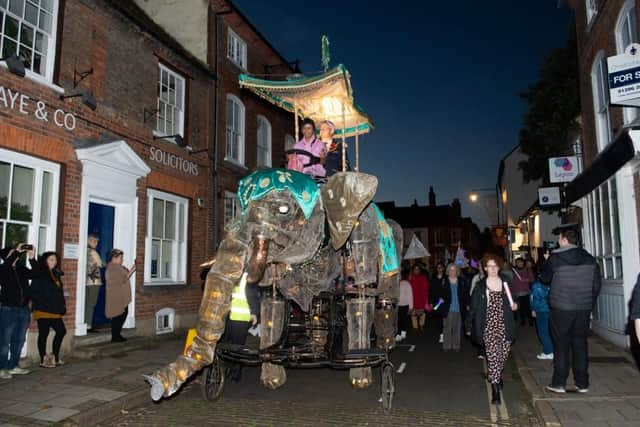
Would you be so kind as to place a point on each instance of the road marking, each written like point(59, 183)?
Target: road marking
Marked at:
point(413, 347)
point(401, 368)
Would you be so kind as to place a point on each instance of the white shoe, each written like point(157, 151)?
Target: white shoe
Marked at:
point(19, 371)
point(556, 389)
point(399, 338)
point(404, 334)
point(5, 375)
point(545, 356)
point(582, 390)
point(441, 340)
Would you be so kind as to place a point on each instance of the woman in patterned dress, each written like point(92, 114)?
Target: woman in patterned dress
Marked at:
point(491, 323)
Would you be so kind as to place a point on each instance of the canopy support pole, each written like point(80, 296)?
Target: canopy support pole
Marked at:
point(357, 151)
point(344, 142)
point(295, 119)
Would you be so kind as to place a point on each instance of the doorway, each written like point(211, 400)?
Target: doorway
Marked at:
point(101, 223)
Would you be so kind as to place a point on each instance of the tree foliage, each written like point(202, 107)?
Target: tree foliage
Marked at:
point(553, 110)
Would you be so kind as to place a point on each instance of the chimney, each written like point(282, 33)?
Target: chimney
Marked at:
point(432, 197)
point(456, 208)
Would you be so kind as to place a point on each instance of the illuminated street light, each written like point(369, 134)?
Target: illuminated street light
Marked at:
point(473, 197)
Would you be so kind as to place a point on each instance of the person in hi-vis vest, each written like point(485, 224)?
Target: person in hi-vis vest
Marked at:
point(245, 308)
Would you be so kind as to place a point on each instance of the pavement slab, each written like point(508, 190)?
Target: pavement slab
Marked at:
point(53, 414)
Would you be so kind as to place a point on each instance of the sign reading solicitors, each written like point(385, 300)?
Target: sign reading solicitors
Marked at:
point(173, 161)
point(16, 101)
point(624, 77)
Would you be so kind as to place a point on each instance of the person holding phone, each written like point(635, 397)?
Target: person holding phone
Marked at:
point(118, 293)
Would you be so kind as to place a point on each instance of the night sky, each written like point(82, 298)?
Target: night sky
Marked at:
point(440, 80)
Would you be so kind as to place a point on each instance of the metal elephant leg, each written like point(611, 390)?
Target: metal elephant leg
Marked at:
point(272, 323)
point(359, 322)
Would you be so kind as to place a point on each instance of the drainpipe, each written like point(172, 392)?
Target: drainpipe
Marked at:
point(214, 170)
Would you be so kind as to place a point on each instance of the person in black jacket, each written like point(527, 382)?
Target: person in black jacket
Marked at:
point(48, 305)
point(490, 322)
point(634, 308)
point(15, 294)
point(454, 291)
point(575, 284)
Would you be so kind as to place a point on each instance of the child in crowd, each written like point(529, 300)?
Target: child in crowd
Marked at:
point(540, 310)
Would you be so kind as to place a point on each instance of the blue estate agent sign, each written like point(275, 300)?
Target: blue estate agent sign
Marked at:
point(624, 77)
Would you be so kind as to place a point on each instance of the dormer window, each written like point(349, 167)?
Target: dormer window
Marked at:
point(237, 50)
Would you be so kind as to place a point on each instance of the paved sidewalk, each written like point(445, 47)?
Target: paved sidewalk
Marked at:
point(85, 392)
point(614, 393)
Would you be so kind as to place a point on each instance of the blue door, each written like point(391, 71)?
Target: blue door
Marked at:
point(101, 222)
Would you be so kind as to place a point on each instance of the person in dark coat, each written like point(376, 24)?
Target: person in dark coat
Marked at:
point(490, 322)
point(15, 294)
point(333, 158)
point(575, 284)
point(437, 284)
point(48, 305)
point(455, 296)
point(634, 308)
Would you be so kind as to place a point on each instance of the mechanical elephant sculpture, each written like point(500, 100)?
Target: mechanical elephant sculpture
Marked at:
point(299, 237)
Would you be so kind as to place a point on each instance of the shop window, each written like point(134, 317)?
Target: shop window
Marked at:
point(235, 130)
point(600, 88)
point(166, 243)
point(592, 10)
point(28, 29)
point(236, 50)
point(165, 320)
point(171, 89)
point(264, 142)
point(604, 229)
point(627, 33)
point(28, 201)
point(231, 207)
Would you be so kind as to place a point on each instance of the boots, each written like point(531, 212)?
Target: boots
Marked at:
point(495, 394)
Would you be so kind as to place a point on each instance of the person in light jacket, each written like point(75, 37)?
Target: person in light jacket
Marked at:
point(405, 304)
point(118, 293)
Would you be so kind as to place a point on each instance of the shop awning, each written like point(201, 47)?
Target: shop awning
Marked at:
point(328, 96)
point(605, 165)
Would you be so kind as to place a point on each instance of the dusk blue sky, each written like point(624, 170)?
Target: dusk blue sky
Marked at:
point(440, 80)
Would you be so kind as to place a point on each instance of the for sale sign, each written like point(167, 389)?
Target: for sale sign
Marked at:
point(624, 77)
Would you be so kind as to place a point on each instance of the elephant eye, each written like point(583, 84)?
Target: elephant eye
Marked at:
point(283, 209)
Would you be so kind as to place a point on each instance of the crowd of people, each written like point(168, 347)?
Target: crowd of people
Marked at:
point(31, 288)
point(487, 300)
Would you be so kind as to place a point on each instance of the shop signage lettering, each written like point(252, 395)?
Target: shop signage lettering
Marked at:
point(16, 101)
point(173, 161)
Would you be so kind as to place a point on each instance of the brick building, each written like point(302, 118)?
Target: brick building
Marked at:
point(440, 228)
point(252, 133)
point(610, 182)
point(134, 169)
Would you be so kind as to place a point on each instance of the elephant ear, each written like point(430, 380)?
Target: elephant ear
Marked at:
point(345, 195)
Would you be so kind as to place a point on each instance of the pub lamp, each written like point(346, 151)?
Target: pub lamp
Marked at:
point(15, 65)
point(180, 142)
point(87, 99)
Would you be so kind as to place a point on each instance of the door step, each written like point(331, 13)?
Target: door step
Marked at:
point(90, 347)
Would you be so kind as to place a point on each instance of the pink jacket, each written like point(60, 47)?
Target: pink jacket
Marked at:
point(522, 280)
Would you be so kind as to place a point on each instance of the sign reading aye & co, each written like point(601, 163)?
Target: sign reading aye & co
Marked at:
point(16, 101)
point(624, 77)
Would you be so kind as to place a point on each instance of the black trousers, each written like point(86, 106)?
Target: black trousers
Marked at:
point(117, 322)
point(569, 330)
point(44, 326)
point(404, 323)
point(524, 310)
point(235, 332)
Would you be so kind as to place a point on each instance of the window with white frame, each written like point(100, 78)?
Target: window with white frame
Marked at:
point(166, 241)
point(264, 142)
point(165, 320)
point(28, 201)
point(592, 10)
point(235, 130)
point(289, 142)
point(231, 207)
point(604, 229)
point(236, 50)
point(627, 33)
point(28, 29)
point(600, 88)
point(171, 88)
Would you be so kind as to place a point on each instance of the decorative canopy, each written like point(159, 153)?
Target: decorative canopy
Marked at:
point(319, 98)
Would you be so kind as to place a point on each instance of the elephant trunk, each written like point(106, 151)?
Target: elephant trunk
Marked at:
point(258, 261)
point(216, 301)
